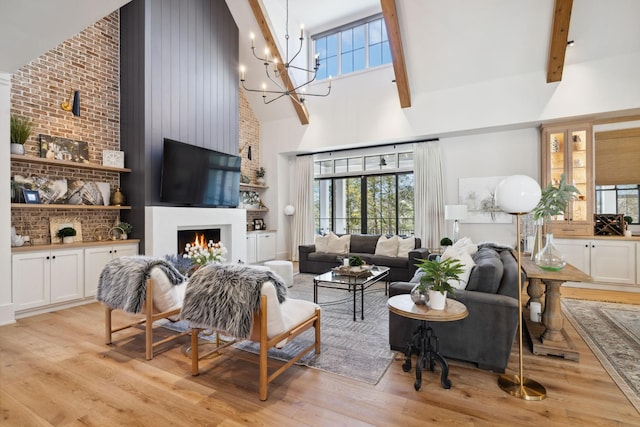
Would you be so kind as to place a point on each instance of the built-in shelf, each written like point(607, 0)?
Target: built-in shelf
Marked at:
point(54, 206)
point(83, 244)
point(257, 210)
point(252, 187)
point(45, 161)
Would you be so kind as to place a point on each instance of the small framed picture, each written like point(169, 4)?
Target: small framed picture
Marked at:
point(31, 196)
point(258, 224)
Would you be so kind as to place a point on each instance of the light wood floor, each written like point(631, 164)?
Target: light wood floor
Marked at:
point(56, 370)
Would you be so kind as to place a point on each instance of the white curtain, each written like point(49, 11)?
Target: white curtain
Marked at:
point(302, 228)
point(429, 193)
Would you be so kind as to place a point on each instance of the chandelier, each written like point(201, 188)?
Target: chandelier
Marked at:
point(280, 70)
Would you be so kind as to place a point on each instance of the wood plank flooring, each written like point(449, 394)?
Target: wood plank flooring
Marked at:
point(56, 370)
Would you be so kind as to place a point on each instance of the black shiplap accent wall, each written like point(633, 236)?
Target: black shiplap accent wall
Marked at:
point(179, 79)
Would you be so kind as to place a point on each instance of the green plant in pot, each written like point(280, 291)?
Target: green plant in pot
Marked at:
point(436, 275)
point(553, 201)
point(355, 261)
point(67, 234)
point(124, 228)
point(260, 174)
point(21, 129)
point(627, 220)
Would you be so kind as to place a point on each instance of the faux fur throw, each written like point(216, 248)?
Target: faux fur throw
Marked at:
point(224, 297)
point(123, 281)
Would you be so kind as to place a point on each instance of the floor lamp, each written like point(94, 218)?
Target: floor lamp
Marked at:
point(289, 210)
point(518, 195)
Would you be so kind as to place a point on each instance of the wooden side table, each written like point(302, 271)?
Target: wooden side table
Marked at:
point(423, 338)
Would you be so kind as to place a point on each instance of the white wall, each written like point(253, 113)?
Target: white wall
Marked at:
point(6, 305)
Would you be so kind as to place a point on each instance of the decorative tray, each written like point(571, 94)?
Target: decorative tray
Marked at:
point(359, 271)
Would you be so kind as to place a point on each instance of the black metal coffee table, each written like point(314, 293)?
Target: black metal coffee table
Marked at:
point(352, 283)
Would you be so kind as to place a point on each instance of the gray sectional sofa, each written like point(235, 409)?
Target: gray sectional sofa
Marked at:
point(363, 245)
point(486, 336)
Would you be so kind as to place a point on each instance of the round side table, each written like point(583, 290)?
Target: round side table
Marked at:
point(423, 337)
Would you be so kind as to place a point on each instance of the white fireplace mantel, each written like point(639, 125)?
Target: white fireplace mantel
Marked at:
point(163, 223)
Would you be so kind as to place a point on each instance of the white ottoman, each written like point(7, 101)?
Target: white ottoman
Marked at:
point(284, 269)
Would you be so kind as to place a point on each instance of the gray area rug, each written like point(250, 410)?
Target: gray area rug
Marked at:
point(612, 331)
point(358, 350)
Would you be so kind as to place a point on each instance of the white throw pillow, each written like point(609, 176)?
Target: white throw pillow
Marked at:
point(339, 245)
point(466, 245)
point(468, 263)
point(322, 243)
point(166, 295)
point(405, 246)
point(387, 246)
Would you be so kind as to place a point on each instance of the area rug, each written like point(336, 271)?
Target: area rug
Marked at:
point(358, 350)
point(612, 332)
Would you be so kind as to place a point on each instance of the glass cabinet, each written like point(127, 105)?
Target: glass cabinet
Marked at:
point(568, 150)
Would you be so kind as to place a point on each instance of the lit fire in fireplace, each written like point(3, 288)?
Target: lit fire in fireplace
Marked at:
point(199, 240)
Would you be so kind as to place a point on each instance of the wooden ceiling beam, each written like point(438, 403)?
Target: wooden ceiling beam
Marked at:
point(559, 39)
point(390, 14)
point(301, 109)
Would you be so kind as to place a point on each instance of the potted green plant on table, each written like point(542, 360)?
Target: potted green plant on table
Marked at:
point(21, 129)
point(67, 234)
point(355, 261)
point(434, 282)
point(553, 201)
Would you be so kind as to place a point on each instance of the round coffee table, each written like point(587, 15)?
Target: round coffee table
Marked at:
point(423, 337)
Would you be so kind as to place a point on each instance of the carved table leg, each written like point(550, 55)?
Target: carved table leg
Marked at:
point(535, 291)
point(552, 315)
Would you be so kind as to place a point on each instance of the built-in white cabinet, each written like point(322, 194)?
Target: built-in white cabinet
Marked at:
point(261, 246)
point(96, 258)
point(607, 261)
point(47, 277)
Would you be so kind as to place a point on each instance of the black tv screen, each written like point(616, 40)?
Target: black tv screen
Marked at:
point(196, 176)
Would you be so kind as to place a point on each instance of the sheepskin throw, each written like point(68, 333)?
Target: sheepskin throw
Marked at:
point(224, 297)
point(123, 281)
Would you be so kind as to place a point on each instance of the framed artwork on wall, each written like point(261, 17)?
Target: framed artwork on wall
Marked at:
point(479, 194)
point(57, 222)
point(55, 148)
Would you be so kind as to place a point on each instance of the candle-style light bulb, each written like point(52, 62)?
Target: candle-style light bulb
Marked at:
point(242, 70)
point(301, 31)
point(252, 37)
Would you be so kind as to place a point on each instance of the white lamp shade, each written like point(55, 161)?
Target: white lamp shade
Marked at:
point(455, 211)
point(289, 210)
point(518, 194)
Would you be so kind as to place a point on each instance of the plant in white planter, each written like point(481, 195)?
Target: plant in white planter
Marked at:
point(435, 281)
point(67, 234)
point(125, 229)
point(627, 220)
point(21, 129)
point(260, 174)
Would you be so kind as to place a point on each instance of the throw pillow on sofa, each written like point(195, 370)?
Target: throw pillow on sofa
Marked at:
point(387, 246)
point(322, 243)
point(339, 245)
point(405, 246)
point(466, 261)
point(466, 245)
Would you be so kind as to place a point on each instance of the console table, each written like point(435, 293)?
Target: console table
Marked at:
point(550, 338)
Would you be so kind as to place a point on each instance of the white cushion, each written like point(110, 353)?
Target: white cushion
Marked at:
point(467, 262)
point(405, 246)
point(466, 245)
point(322, 242)
point(281, 317)
point(387, 246)
point(166, 295)
point(339, 245)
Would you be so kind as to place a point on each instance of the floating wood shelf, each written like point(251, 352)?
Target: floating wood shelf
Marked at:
point(72, 207)
point(65, 163)
point(253, 186)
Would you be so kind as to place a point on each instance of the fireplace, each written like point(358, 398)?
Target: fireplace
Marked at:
point(200, 237)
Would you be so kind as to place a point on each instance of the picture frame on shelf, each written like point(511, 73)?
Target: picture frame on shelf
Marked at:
point(258, 224)
point(56, 148)
point(113, 158)
point(31, 196)
point(57, 222)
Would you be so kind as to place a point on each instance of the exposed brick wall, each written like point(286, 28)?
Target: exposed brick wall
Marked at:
point(249, 136)
point(88, 62)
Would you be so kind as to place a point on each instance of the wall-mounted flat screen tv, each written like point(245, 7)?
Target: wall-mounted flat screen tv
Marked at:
point(196, 176)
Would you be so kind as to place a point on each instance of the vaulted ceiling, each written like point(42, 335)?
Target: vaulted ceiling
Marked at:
point(446, 44)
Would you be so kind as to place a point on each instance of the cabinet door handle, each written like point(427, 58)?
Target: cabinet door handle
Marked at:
point(48, 257)
point(586, 246)
point(115, 251)
point(593, 246)
point(53, 257)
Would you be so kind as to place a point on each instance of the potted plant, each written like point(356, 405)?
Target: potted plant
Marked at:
point(20, 131)
point(627, 220)
point(260, 173)
point(67, 234)
point(445, 241)
point(435, 281)
point(553, 201)
point(355, 261)
point(125, 228)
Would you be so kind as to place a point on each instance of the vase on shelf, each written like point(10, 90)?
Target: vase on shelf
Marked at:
point(550, 258)
point(17, 148)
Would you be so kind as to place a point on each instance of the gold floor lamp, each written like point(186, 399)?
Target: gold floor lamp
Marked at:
point(519, 195)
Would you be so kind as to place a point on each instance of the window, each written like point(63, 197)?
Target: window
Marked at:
point(622, 199)
point(353, 47)
point(376, 200)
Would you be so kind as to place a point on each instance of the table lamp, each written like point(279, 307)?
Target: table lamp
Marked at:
point(518, 195)
point(455, 213)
